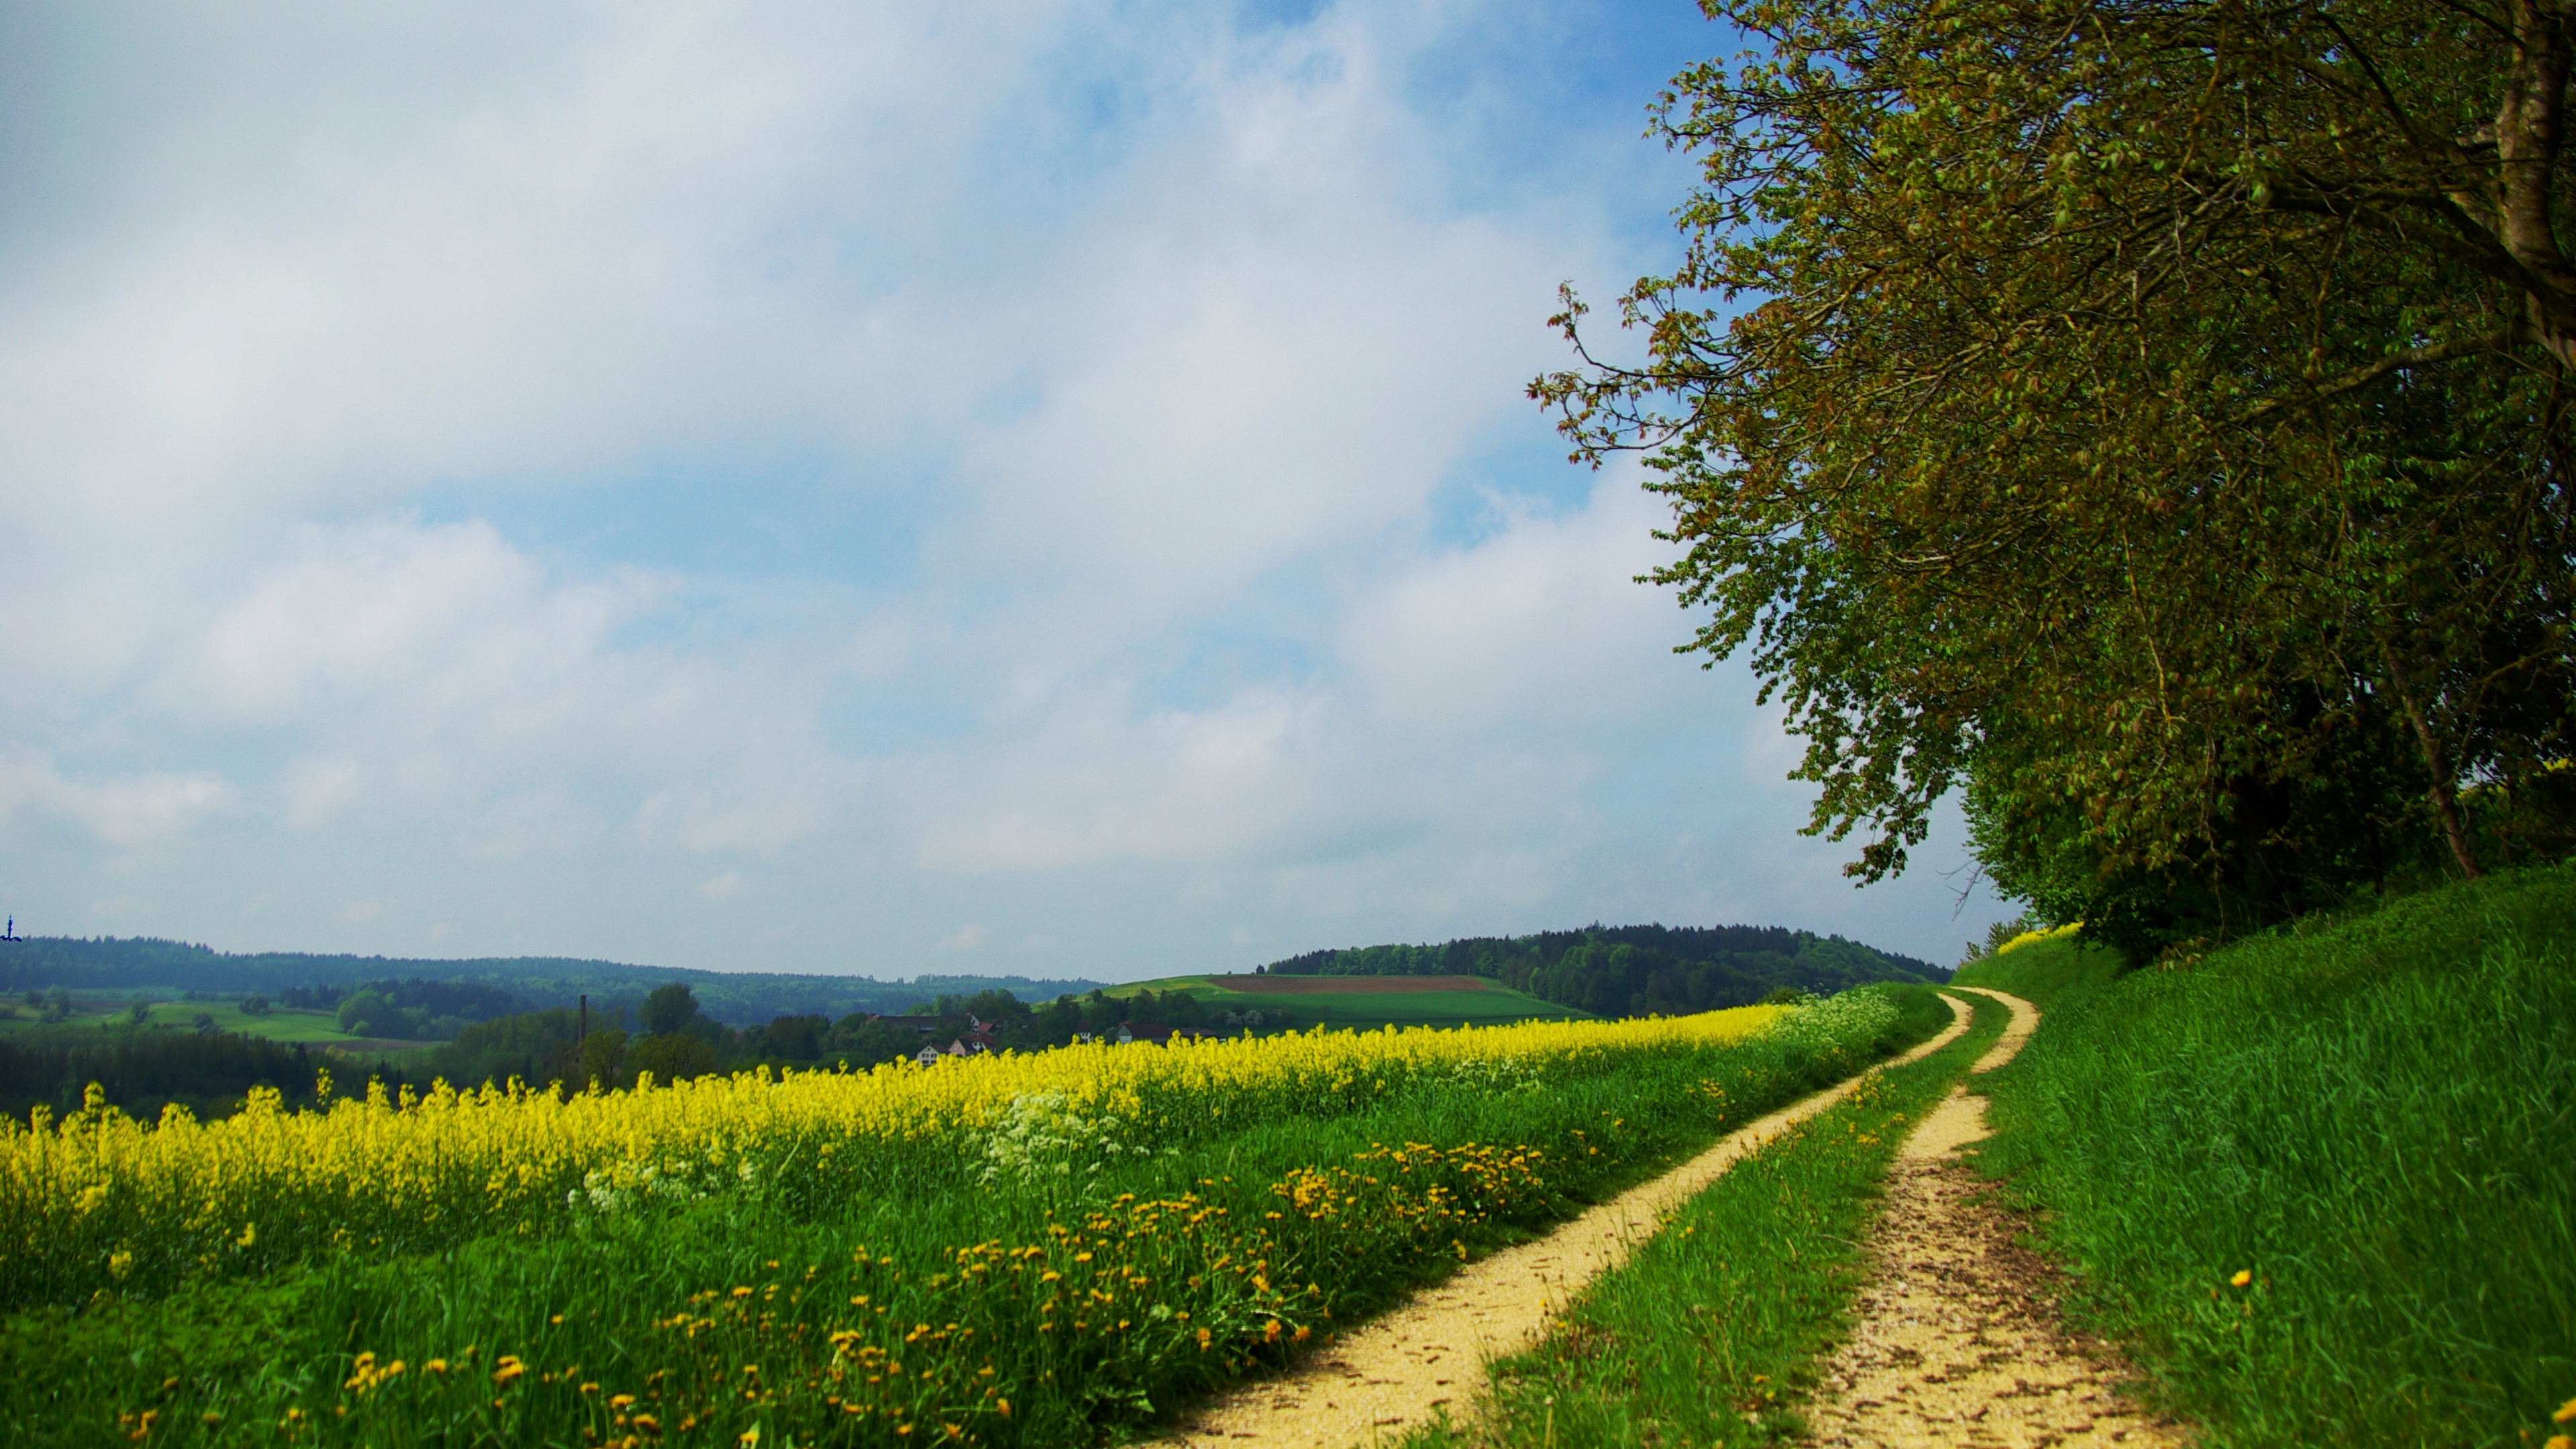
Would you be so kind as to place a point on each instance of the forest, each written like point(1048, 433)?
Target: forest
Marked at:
point(110, 963)
point(1650, 970)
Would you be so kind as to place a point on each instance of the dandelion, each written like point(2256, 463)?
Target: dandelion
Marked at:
point(2566, 1411)
point(2243, 1277)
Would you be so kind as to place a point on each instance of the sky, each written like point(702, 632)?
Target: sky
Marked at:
point(1035, 487)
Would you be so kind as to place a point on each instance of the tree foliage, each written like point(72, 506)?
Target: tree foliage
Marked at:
point(2149, 414)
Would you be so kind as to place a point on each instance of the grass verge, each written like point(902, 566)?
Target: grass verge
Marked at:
point(1708, 1335)
point(2372, 1119)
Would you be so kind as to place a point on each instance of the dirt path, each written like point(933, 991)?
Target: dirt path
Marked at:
point(1958, 1340)
point(1430, 1351)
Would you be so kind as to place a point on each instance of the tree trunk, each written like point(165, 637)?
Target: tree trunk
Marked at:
point(2443, 791)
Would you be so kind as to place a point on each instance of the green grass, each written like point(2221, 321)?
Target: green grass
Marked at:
point(2375, 1117)
point(1709, 1333)
point(2044, 971)
point(1493, 1004)
point(280, 1024)
point(615, 1299)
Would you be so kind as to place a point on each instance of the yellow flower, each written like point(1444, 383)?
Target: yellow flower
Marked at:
point(2566, 1411)
point(2243, 1277)
point(110, 1192)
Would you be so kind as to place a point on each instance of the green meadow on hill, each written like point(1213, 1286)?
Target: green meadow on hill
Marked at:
point(113, 1010)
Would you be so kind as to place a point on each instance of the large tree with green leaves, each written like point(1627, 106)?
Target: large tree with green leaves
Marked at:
point(2151, 414)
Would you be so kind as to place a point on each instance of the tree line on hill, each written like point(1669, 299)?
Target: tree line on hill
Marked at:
point(673, 1039)
point(406, 1010)
point(142, 1070)
point(742, 998)
point(1635, 970)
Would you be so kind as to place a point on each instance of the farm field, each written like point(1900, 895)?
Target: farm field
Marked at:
point(1023, 1250)
point(279, 1024)
point(1367, 1001)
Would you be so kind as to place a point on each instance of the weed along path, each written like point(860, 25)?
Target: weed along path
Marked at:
point(1956, 1339)
point(1427, 1355)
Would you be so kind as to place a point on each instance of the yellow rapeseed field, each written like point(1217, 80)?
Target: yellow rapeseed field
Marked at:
point(98, 1198)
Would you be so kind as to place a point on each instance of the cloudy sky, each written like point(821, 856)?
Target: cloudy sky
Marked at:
point(1030, 486)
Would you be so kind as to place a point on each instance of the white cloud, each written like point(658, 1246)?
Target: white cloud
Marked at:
point(130, 811)
point(1091, 375)
point(1541, 624)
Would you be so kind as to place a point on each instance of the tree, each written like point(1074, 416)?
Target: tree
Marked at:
point(598, 1059)
point(673, 1057)
point(862, 1041)
point(669, 1009)
point(361, 1011)
point(2153, 412)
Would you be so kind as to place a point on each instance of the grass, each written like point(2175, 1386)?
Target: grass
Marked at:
point(2374, 1118)
point(1044, 1311)
point(110, 1010)
point(1492, 1004)
point(1708, 1334)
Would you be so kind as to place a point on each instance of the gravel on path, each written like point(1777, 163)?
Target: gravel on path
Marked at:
point(1428, 1353)
point(1958, 1339)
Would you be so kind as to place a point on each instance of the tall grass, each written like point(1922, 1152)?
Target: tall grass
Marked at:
point(2375, 1119)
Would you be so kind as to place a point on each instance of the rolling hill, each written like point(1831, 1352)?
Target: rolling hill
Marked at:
point(1363, 1002)
point(738, 998)
point(1633, 970)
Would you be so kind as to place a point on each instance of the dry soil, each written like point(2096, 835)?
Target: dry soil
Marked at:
point(1958, 1339)
point(1429, 1353)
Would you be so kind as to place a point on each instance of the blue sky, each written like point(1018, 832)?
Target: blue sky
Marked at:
point(1025, 487)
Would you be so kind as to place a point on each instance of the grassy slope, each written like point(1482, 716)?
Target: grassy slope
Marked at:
point(280, 1024)
point(1710, 1330)
point(1493, 1005)
point(237, 1355)
point(2376, 1119)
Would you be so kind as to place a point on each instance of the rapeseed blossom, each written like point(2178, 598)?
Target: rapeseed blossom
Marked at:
point(101, 1200)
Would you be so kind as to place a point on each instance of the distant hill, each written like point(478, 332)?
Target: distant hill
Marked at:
point(1635, 970)
point(1356, 1001)
point(109, 963)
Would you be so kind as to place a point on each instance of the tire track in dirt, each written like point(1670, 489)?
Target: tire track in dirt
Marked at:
point(1429, 1352)
point(1958, 1339)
